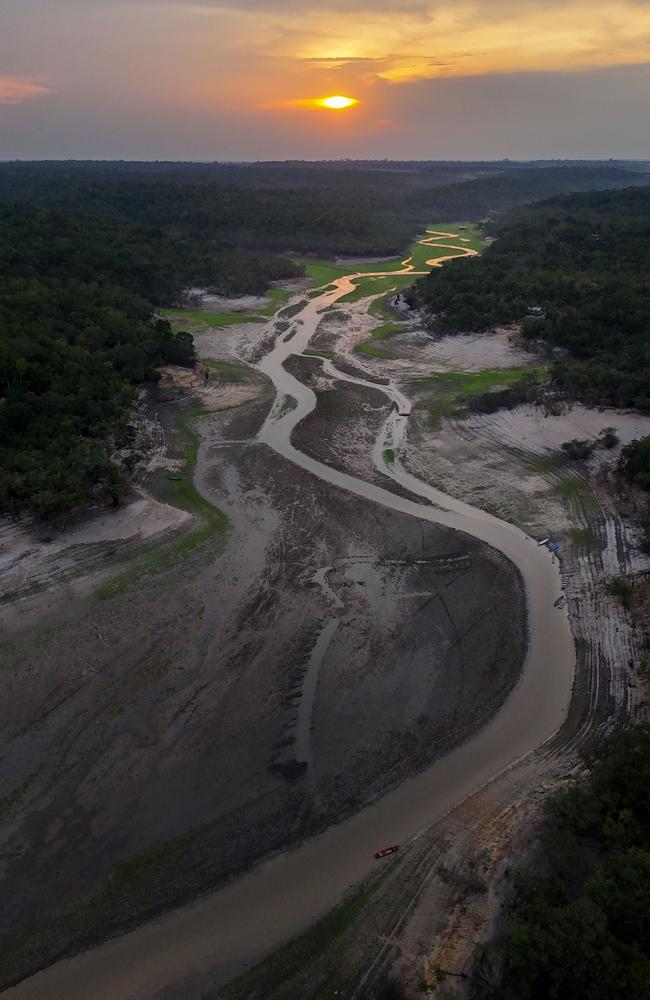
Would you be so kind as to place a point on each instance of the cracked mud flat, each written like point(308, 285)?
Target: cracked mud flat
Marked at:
point(171, 710)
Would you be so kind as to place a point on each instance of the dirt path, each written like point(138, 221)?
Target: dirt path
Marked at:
point(229, 929)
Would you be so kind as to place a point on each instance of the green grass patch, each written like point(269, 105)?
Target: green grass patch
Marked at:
point(289, 336)
point(143, 868)
point(230, 372)
point(375, 285)
point(470, 238)
point(383, 332)
point(386, 330)
point(381, 308)
point(179, 491)
point(197, 321)
point(367, 347)
point(277, 296)
point(468, 234)
point(448, 390)
point(389, 455)
point(315, 292)
point(322, 272)
point(292, 310)
point(466, 384)
point(543, 466)
point(572, 488)
point(581, 536)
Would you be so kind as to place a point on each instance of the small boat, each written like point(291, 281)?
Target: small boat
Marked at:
point(385, 851)
point(544, 541)
point(561, 601)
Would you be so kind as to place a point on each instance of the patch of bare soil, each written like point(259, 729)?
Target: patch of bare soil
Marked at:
point(167, 714)
point(510, 462)
point(210, 302)
point(343, 428)
point(36, 555)
point(446, 894)
point(231, 343)
point(33, 555)
point(415, 350)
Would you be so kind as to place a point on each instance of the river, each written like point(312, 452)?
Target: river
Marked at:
point(233, 927)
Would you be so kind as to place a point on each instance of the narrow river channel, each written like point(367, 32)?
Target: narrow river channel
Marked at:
point(231, 928)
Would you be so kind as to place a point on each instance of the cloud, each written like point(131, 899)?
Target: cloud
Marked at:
point(448, 37)
point(17, 89)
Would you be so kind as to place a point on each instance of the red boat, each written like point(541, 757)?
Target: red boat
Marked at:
point(385, 851)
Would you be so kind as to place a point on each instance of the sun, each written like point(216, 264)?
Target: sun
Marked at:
point(336, 103)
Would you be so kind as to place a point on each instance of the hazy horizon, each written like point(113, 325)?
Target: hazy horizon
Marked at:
point(376, 159)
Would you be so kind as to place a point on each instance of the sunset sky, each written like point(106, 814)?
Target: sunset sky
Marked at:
point(181, 79)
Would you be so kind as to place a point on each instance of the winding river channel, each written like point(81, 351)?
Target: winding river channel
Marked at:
point(232, 927)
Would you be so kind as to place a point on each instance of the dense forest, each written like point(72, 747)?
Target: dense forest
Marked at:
point(582, 262)
point(580, 926)
point(301, 208)
point(75, 336)
point(88, 252)
point(492, 195)
point(635, 463)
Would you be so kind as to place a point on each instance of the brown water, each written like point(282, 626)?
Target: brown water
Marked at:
point(229, 929)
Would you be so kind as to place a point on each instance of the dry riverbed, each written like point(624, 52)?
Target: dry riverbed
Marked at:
point(164, 727)
point(168, 727)
point(445, 895)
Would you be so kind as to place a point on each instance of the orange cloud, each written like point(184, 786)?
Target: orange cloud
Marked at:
point(446, 38)
point(16, 89)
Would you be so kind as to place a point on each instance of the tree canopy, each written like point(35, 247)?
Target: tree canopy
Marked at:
point(580, 929)
point(88, 252)
point(575, 271)
point(74, 338)
point(634, 465)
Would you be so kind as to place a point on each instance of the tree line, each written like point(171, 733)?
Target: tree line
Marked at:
point(88, 252)
point(579, 928)
point(320, 208)
point(75, 336)
point(574, 271)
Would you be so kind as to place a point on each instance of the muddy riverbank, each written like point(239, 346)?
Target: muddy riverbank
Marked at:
point(373, 614)
point(164, 718)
